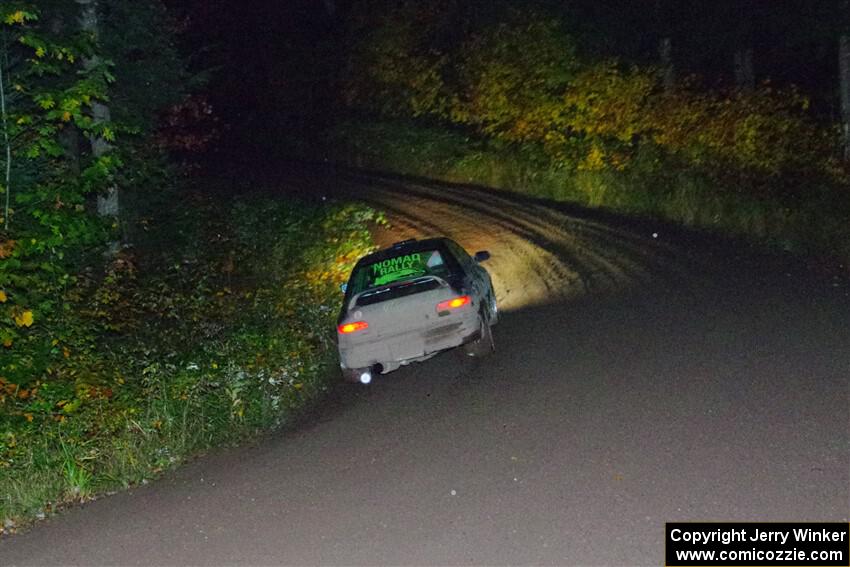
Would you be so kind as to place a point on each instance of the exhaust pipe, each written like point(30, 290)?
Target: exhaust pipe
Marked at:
point(366, 375)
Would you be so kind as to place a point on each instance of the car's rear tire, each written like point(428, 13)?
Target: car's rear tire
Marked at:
point(494, 311)
point(484, 344)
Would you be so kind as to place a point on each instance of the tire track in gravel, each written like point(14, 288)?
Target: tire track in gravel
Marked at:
point(539, 254)
point(544, 220)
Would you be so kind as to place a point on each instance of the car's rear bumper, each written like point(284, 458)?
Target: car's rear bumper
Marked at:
point(411, 346)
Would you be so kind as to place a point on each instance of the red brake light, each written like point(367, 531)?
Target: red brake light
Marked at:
point(353, 327)
point(453, 303)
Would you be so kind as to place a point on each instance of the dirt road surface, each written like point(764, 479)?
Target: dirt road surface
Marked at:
point(642, 375)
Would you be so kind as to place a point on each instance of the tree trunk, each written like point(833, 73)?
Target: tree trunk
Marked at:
point(745, 78)
point(668, 73)
point(663, 24)
point(107, 204)
point(844, 72)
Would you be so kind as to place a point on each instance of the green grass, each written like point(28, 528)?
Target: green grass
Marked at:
point(217, 327)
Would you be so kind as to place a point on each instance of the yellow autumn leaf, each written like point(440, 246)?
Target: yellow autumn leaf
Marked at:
point(66, 116)
point(3, 297)
point(15, 17)
point(25, 319)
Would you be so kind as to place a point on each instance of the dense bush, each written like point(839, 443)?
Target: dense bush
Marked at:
point(506, 75)
point(130, 341)
point(520, 78)
point(765, 132)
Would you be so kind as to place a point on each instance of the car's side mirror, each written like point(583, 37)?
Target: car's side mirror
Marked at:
point(343, 287)
point(481, 256)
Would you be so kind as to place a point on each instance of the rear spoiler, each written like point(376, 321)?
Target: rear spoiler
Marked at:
point(389, 287)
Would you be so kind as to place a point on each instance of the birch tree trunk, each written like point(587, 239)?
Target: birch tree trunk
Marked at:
point(745, 78)
point(107, 204)
point(663, 27)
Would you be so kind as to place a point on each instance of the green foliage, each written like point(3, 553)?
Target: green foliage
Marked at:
point(507, 74)
point(394, 68)
point(233, 337)
point(765, 132)
point(150, 75)
point(54, 76)
point(519, 77)
point(48, 92)
point(63, 410)
point(599, 118)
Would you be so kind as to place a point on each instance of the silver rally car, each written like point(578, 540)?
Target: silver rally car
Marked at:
point(410, 301)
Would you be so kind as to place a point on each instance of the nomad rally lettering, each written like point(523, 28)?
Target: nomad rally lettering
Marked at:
point(396, 264)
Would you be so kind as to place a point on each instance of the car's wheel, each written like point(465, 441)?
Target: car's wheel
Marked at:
point(484, 345)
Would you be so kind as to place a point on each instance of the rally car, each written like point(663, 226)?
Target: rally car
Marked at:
point(410, 301)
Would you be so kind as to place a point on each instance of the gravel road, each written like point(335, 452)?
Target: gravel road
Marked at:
point(642, 375)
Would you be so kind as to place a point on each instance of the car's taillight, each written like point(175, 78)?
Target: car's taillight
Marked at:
point(453, 303)
point(353, 327)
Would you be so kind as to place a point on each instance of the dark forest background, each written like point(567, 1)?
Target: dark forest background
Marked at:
point(284, 59)
point(729, 115)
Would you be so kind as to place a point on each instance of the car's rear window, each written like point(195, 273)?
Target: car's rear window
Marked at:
point(398, 269)
point(403, 289)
